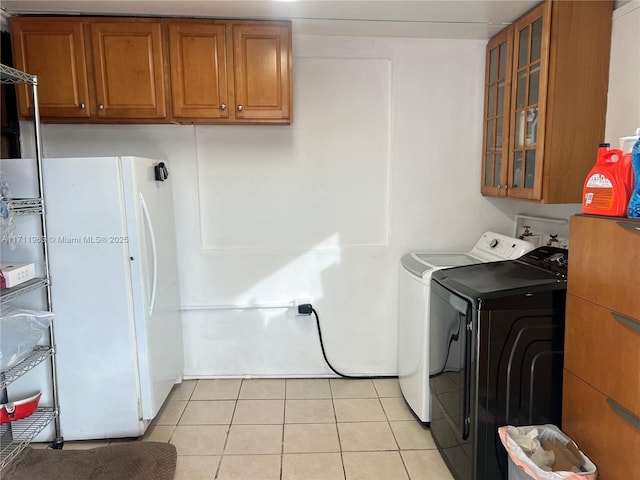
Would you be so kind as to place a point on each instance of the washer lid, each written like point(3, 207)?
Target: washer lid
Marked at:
point(414, 265)
point(446, 259)
point(420, 264)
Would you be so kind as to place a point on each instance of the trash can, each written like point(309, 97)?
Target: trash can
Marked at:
point(546, 445)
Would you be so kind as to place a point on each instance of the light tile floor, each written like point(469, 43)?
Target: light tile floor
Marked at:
point(294, 429)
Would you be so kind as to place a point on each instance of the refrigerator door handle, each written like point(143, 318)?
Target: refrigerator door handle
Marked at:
point(154, 253)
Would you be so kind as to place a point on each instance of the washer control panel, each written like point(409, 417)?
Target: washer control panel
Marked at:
point(495, 246)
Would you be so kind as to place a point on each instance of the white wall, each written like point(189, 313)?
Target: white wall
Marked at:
point(623, 102)
point(383, 157)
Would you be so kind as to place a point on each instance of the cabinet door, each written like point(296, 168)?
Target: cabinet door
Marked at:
point(497, 95)
point(198, 59)
point(54, 51)
point(603, 264)
point(262, 71)
point(528, 94)
point(598, 340)
point(129, 69)
point(606, 433)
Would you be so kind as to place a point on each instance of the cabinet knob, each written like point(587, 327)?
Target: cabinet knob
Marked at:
point(81, 106)
point(499, 186)
point(100, 106)
point(223, 106)
point(240, 108)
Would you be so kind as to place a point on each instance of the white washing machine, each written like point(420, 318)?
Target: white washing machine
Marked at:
point(413, 312)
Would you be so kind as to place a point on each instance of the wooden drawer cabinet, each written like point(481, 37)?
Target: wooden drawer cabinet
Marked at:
point(545, 101)
point(601, 384)
point(603, 348)
point(604, 263)
point(610, 441)
point(230, 71)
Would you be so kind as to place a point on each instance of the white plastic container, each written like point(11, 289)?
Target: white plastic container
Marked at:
point(626, 143)
point(17, 273)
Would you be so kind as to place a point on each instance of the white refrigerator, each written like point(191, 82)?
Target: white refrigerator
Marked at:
point(115, 293)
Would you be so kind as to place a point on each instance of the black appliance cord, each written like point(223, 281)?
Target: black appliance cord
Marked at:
point(324, 354)
point(453, 337)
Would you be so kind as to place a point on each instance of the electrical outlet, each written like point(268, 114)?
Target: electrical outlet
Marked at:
point(300, 301)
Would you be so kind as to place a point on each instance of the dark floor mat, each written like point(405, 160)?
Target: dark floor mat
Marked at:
point(126, 461)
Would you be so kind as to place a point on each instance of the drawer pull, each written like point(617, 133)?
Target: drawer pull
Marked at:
point(625, 414)
point(626, 321)
point(633, 226)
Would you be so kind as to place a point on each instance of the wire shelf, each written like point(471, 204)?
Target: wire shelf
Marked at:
point(15, 436)
point(25, 206)
point(35, 358)
point(12, 293)
point(10, 75)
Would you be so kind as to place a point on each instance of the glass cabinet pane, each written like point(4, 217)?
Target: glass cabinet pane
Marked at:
point(516, 181)
point(491, 100)
point(519, 130)
point(499, 134)
point(497, 178)
point(521, 90)
point(490, 137)
point(534, 84)
point(493, 65)
point(536, 40)
point(488, 170)
point(532, 126)
point(530, 168)
point(523, 52)
point(500, 108)
point(502, 66)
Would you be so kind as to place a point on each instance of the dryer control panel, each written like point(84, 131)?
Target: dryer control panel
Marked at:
point(550, 258)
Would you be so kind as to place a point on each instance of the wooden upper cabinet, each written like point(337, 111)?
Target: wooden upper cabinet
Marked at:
point(92, 68)
point(152, 70)
point(198, 59)
point(497, 93)
point(528, 104)
point(230, 71)
point(558, 77)
point(262, 71)
point(128, 65)
point(54, 50)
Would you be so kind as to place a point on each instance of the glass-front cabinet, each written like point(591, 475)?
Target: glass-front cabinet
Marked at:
point(545, 95)
point(496, 115)
point(515, 86)
point(527, 116)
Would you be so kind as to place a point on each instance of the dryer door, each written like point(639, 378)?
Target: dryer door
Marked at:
point(450, 379)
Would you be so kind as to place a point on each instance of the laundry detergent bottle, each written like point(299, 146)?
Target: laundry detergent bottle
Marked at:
point(633, 210)
point(605, 191)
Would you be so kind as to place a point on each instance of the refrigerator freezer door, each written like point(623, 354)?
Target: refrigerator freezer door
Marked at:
point(154, 274)
point(91, 293)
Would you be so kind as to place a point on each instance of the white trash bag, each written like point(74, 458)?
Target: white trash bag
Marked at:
point(543, 452)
